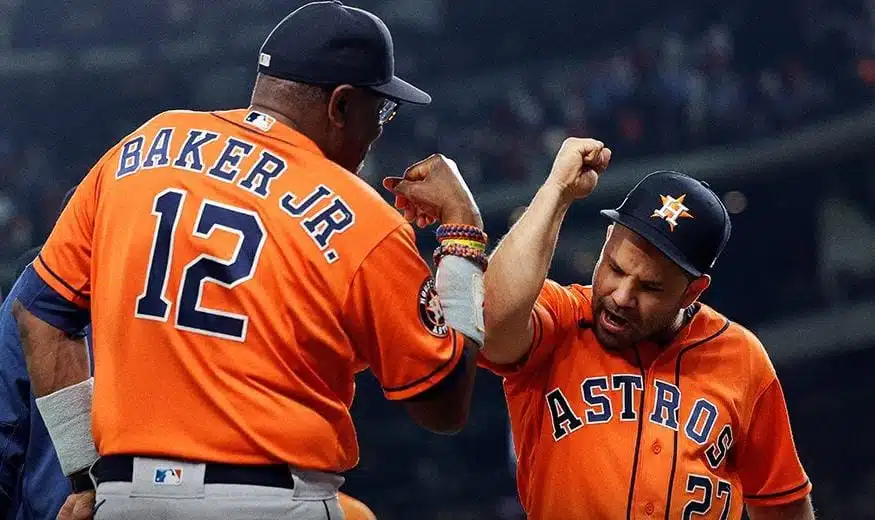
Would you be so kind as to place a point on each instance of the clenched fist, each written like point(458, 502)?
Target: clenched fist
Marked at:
point(433, 189)
point(577, 167)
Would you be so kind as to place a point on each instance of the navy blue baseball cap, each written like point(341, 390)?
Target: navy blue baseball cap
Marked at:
point(679, 215)
point(328, 43)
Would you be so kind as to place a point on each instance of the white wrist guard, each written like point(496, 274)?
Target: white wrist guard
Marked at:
point(67, 415)
point(459, 285)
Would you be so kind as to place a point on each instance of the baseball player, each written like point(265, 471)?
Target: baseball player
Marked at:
point(33, 485)
point(629, 398)
point(238, 274)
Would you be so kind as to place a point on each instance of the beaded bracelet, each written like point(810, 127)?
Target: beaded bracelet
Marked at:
point(476, 256)
point(474, 244)
point(461, 232)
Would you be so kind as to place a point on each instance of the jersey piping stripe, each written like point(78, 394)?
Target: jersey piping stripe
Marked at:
point(327, 511)
point(780, 493)
point(61, 280)
point(430, 374)
point(677, 383)
point(638, 439)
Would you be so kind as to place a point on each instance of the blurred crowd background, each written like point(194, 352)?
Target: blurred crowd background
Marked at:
point(771, 102)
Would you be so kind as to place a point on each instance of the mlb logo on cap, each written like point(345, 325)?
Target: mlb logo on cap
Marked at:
point(168, 476)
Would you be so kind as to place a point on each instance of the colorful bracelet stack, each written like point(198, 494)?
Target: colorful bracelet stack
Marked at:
point(463, 241)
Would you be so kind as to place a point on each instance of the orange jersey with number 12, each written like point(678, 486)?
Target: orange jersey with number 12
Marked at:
point(237, 281)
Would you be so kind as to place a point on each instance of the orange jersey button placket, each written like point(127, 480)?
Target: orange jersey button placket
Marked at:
point(654, 469)
point(651, 483)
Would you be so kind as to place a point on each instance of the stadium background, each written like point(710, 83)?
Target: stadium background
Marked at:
point(771, 102)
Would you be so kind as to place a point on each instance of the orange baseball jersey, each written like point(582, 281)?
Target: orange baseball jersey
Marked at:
point(691, 430)
point(237, 280)
point(354, 509)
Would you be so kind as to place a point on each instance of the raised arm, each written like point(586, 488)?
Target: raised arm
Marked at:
point(519, 265)
point(433, 190)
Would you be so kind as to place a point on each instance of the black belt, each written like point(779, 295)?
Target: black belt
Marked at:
point(120, 468)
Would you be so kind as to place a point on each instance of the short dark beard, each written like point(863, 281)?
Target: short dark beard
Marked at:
point(663, 337)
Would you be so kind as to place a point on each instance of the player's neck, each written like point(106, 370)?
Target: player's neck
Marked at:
point(296, 122)
point(683, 317)
point(286, 119)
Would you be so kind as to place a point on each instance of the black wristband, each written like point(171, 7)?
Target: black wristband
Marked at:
point(81, 481)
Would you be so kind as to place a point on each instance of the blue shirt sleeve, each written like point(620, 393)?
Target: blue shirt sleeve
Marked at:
point(32, 485)
point(11, 458)
point(14, 407)
point(43, 485)
point(46, 304)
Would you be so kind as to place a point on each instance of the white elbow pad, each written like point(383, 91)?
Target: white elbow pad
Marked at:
point(67, 415)
point(459, 285)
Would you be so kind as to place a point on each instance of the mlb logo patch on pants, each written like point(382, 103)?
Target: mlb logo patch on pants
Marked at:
point(168, 476)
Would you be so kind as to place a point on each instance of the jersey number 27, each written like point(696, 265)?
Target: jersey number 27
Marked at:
point(190, 315)
point(702, 507)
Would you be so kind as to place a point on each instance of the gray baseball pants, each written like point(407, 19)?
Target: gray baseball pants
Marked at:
point(153, 496)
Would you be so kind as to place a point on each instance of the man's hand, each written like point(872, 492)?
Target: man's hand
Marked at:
point(78, 506)
point(433, 189)
point(577, 167)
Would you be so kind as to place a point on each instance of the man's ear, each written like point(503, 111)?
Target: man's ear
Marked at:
point(695, 290)
point(338, 105)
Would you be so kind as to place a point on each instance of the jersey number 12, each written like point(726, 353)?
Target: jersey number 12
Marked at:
point(191, 316)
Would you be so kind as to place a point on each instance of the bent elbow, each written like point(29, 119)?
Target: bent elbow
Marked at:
point(505, 349)
point(497, 356)
point(445, 417)
point(444, 408)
